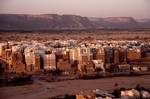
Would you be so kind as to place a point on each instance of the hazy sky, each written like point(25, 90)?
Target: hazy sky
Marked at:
point(90, 8)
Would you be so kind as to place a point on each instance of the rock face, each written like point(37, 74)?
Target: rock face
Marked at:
point(116, 23)
point(67, 22)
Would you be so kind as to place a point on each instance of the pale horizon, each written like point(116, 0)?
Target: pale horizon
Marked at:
point(138, 9)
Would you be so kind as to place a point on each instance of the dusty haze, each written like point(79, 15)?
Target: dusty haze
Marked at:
point(89, 8)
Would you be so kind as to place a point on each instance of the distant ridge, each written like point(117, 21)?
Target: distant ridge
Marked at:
point(25, 22)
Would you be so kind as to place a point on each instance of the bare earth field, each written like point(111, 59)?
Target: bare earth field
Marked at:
point(45, 90)
point(77, 35)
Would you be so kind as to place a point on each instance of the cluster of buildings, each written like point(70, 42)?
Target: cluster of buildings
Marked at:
point(121, 94)
point(85, 57)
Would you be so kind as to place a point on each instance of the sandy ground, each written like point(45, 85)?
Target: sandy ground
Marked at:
point(103, 35)
point(45, 90)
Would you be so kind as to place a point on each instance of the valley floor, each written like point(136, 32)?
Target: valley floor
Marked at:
point(44, 90)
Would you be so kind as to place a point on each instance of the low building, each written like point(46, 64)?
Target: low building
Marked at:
point(86, 95)
point(130, 94)
point(109, 55)
point(99, 64)
point(16, 65)
point(133, 54)
point(63, 65)
point(124, 67)
point(32, 60)
point(3, 46)
point(49, 61)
